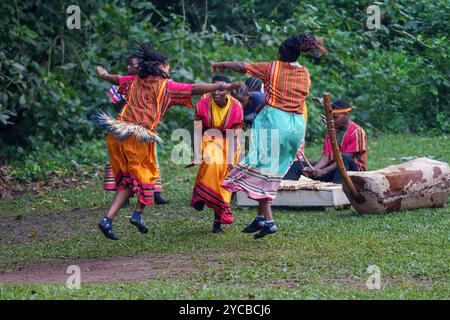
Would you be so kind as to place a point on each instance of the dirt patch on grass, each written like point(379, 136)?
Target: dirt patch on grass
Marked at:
point(83, 176)
point(18, 229)
point(113, 270)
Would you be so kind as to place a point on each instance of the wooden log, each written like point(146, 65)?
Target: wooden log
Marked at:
point(420, 183)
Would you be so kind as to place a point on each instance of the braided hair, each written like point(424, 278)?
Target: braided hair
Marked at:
point(149, 61)
point(291, 48)
point(240, 92)
point(254, 84)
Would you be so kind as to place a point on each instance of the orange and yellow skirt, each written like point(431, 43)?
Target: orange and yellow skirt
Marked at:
point(213, 170)
point(133, 165)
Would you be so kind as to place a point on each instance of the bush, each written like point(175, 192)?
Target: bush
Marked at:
point(397, 76)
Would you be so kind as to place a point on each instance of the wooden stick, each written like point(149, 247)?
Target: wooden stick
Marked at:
point(306, 160)
point(334, 145)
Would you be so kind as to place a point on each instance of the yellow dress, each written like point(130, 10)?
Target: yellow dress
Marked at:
point(218, 112)
point(214, 167)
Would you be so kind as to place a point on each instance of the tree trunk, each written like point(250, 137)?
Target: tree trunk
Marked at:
point(420, 183)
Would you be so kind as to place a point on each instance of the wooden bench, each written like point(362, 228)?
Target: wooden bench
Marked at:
point(305, 193)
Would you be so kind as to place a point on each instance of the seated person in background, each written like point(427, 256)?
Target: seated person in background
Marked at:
point(254, 84)
point(353, 146)
point(251, 102)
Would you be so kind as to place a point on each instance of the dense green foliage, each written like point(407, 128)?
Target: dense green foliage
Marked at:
point(397, 75)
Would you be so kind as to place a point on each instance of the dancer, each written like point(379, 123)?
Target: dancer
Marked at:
point(222, 112)
point(286, 85)
point(132, 136)
point(118, 94)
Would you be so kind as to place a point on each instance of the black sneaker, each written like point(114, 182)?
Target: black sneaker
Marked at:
point(199, 206)
point(140, 225)
point(254, 226)
point(217, 228)
point(107, 230)
point(159, 199)
point(265, 231)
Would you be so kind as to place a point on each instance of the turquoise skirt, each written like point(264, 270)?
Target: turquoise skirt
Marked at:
point(275, 138)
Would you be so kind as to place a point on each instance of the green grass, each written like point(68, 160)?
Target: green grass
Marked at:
point(315, 255)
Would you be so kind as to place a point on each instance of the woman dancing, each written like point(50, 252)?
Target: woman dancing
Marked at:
point(132, 136)
point(222, 112)
point(281, 122)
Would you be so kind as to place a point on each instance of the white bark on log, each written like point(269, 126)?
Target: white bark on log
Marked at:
point(420, 183)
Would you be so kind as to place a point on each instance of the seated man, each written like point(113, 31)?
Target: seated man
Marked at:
point(353, 147)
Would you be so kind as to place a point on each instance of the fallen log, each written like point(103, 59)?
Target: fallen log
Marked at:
point(420, 183)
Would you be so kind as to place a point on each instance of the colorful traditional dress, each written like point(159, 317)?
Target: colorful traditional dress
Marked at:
point(118, 95)
point(132, 139)
point(352, 140)
point(215, 153)
point(276, 132)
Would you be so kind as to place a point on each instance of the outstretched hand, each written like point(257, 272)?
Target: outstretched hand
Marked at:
point(317, 99)
point(217, 67)
point(101, 71)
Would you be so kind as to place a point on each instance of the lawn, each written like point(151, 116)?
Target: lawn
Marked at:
point(315, 254)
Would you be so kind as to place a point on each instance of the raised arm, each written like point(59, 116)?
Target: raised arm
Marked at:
point(104, 74)
point(232, 65)
point(201, 88)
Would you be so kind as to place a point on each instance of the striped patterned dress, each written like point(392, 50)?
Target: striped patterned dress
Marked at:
point(118, 93)
point(277, 131)
point(134, 162)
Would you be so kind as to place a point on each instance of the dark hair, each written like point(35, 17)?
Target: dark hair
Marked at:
point(131, 57)
point(291, 48)
point(221, 77)
point(240, 92)
point(254, 84)
point(149, 61)
point(340, 104)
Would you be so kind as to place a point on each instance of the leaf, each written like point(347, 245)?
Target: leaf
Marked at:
point(18, 66)
point(68, 66)
point(258, 27)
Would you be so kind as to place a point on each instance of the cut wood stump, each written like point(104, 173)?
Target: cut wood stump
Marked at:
point(420, 183)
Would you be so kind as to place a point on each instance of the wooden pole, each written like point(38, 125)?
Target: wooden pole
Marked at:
point(306, 160)
point(335, 146)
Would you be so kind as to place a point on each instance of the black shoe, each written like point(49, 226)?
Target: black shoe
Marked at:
point(217, 228)
point(159, 199)
point(254, 226)
point(107, 230)
point(265, 231)
point(140, 225)
point(199, 206)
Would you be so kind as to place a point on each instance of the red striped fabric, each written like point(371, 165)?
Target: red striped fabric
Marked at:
point(254, 182)
point(286, 84)
point(353, 141)
point(144, 191)
point(214, 201)
point(109, 183)
point(150, 98)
